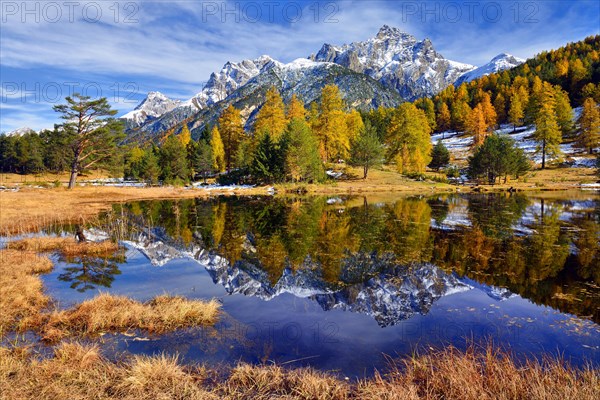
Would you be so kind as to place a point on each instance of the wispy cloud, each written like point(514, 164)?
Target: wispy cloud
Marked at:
point(173, 46)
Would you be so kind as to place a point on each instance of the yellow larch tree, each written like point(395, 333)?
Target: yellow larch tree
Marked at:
point(295, 109)
point(218, 151)
point(271, 117)
point(232, 131)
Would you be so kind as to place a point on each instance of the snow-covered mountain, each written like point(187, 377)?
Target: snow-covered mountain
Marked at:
point(220, 85)
point(153, 106)
point(384, 70)
point(231, 77)
point(398, 60)
point(20, 132)
point(499, 63)
point(236, 86)
point(305, 78)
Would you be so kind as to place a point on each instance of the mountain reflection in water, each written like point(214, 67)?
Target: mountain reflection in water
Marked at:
point(389, 260)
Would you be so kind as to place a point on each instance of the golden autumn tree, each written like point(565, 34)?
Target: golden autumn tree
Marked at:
point(476, 125)
point(500, 107)
point(547, 132)
point(218, 151)
point(330, 125)
point(443, 118)
point(354, 124)
point(589, 126)
point(232, 131)
point(408, 139)
point(489, 112)
point(515, 111)
point(295, 109)
point(185, 136)
point(271, 117)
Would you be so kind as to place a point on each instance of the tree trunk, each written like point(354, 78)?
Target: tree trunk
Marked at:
point(544, 154)
point(366, 169)
point(74, 168)
point(73, 178)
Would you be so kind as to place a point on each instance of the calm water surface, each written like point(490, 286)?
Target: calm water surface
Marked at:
point(344, 283)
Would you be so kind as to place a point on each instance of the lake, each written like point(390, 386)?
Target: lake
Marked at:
point(346, 283)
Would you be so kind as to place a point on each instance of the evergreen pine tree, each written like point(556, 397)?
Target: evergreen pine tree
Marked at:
point(302, 161)
point(366, 150)
point(173, 161)
point(150, 170)
point(440, 156)
point(91, 133)
point(203, 159)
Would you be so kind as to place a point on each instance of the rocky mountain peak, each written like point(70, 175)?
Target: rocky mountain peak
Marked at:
point(153, 106)
point(397, 60)
point(388, 32)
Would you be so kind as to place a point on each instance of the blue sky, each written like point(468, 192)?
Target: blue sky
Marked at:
point(123, 49)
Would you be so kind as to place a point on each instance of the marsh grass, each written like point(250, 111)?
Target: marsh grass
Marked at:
point(79, 371)
point(21, 292)
point(108, 313)
point(67, 246)
point(25, 306)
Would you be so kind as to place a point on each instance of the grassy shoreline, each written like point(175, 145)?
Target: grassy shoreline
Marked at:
point(26, 307)
point(77, 371)
point(29, 209)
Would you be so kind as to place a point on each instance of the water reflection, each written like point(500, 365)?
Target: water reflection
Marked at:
point(351, 254)
point(91, 272)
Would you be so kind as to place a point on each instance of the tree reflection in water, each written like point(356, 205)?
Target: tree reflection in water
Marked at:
point(545, 250)
point(91, 272)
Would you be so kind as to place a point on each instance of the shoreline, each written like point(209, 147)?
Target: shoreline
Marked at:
point(29, 208)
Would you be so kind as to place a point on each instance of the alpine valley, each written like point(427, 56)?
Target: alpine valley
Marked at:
point(385, 70)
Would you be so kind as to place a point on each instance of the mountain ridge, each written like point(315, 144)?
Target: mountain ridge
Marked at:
point(393, 60)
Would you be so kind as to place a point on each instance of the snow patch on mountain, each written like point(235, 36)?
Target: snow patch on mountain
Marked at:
point(153, 106)
point(231, 77)
point(20, 131)
point(499, 63)
point(397, 59)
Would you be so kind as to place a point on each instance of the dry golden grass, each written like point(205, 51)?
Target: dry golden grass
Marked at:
point(67, 246)
point(108, 313)
point(10, 179)
point(81, 372)
point(24, 305)
point(21, 292)
point(487, 374)
point(31, 209)
point(267, 382)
